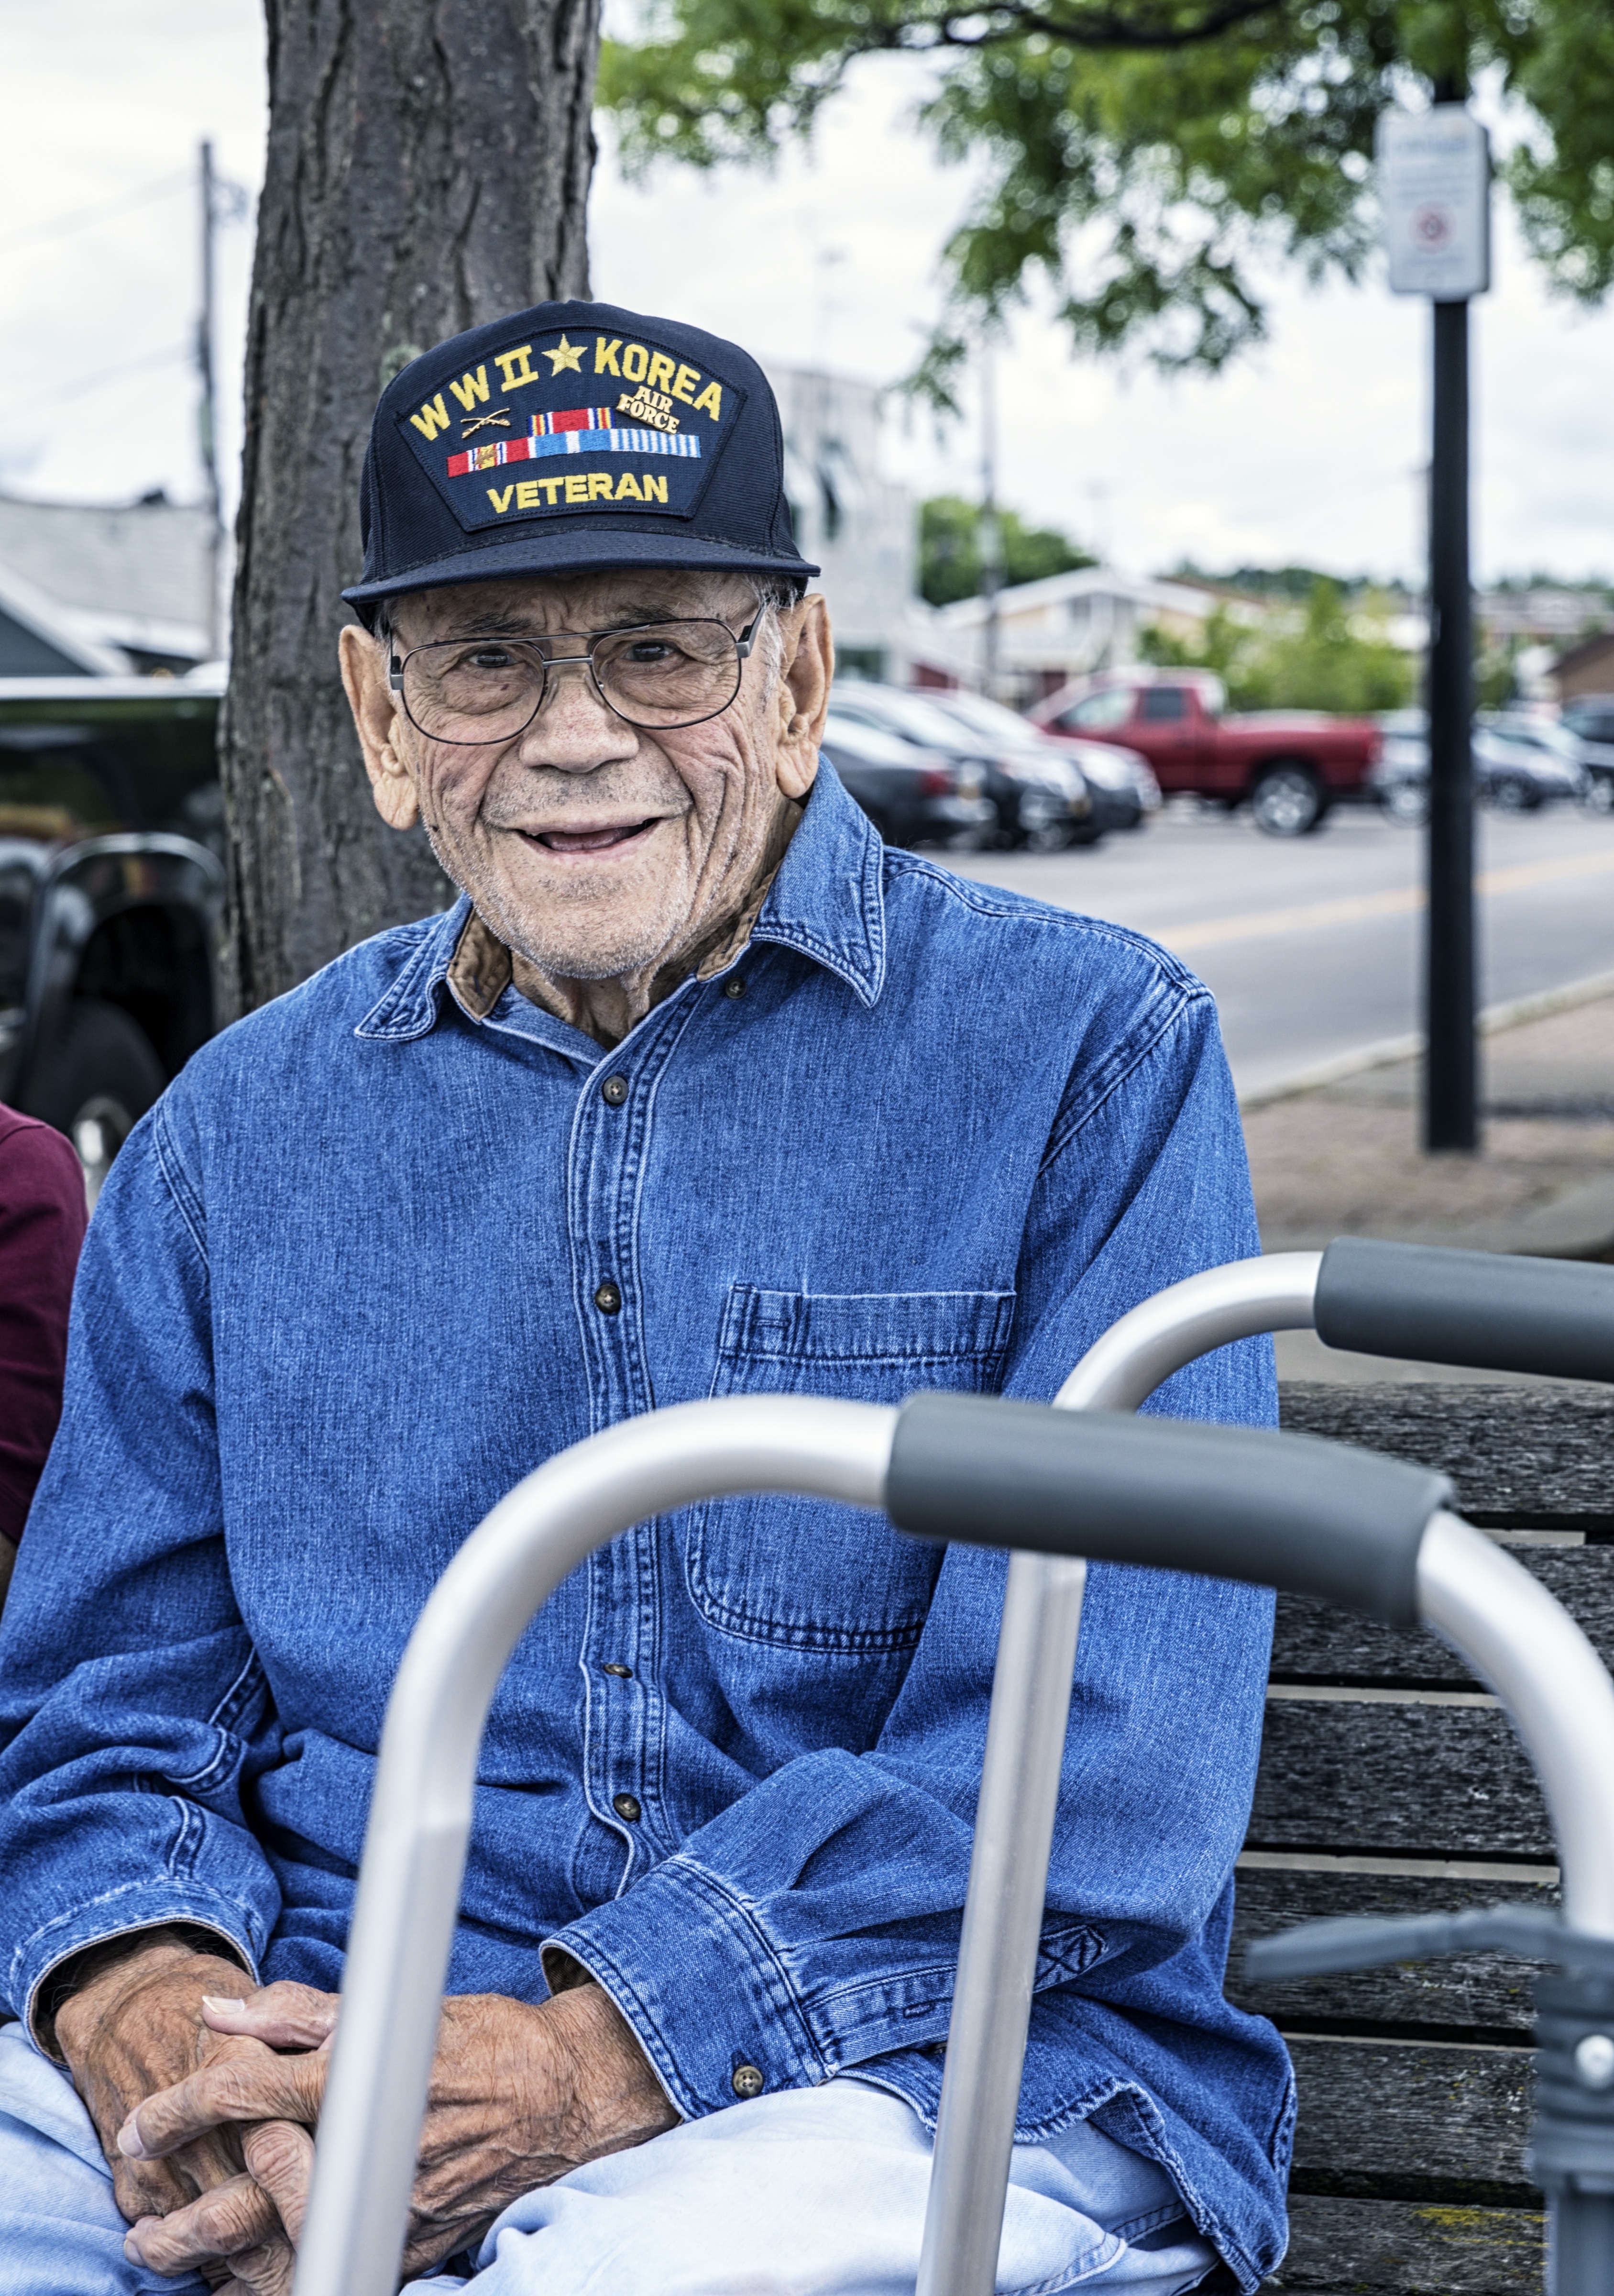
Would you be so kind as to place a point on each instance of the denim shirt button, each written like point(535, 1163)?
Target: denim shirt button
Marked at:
point(748, 2081)
point(613, 1092)
point(608, 1299)
point(607, 1667)
point(734, 986)
point(625, 1806)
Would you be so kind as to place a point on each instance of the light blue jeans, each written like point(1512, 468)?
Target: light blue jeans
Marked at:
point(809, 2193)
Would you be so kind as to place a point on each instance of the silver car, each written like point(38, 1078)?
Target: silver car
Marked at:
point(1510, 775)
point(1122, 783)
point(1042, 801)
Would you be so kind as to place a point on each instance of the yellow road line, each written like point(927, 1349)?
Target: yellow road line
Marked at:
point(1405, 900)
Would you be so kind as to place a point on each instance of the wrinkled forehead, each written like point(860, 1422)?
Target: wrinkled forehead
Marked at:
point(594, 601)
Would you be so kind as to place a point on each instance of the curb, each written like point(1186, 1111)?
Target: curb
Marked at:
point(1390, 1050)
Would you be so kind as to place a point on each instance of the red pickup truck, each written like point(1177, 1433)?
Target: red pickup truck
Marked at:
point(1290, 765)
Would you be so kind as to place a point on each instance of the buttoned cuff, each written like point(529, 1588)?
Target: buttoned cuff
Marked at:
point(124, 1913)
point(693, 1969)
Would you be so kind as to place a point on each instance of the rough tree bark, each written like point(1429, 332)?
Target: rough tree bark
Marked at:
point(428, 168)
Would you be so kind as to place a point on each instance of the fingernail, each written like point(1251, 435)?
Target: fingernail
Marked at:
point(222, 2005)
point(128, 2141)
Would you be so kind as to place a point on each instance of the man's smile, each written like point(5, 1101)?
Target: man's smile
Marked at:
point(592, 837)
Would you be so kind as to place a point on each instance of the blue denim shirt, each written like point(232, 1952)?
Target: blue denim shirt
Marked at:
point(341, 1292)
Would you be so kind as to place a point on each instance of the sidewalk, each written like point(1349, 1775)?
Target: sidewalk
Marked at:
point(1343, 1159)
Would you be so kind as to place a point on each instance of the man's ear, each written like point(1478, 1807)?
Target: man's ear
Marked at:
point(804, 694)
point(376, 717)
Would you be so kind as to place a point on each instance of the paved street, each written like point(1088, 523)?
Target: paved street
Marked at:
point(1313, 947)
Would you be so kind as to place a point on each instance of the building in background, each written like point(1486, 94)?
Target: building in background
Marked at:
point(1051, 631)
point(1586, 668)
point(90, 589)
point(851, 519)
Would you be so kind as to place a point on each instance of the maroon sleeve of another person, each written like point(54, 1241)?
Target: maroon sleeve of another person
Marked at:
point(42, 1223)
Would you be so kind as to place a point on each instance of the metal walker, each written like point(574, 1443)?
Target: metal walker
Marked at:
point(1284, 1511)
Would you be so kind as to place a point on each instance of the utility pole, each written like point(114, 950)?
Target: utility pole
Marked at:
point(206, 413)
point(1434, 170)
point(991, 531)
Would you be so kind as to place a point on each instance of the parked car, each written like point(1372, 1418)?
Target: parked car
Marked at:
point(1041, 800)
point(1291, 765)
point(1123, 788)
point(1547, 739)
point(1590, 718)
point(112, 884)
point(1512, 774)
point(912, 796)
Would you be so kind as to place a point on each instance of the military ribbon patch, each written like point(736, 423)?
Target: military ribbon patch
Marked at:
point(573, 430)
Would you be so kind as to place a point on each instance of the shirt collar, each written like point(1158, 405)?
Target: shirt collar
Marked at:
point(827, 902)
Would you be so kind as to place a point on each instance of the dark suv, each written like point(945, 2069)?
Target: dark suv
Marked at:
point(111, 885)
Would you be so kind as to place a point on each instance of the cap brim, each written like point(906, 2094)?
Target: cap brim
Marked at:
point(579, 552)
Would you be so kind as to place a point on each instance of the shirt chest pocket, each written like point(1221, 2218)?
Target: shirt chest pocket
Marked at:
point(804, 1573)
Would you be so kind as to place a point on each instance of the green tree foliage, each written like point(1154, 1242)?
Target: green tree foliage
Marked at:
point(1321, 659)
point(949, 549)
point(1141, 156)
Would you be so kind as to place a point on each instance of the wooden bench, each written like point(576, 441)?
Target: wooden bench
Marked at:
point(1390, 1782)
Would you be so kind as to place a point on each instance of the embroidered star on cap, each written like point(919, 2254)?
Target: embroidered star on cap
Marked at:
point(565, 355)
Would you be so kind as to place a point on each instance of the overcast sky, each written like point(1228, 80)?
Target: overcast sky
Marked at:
point(1310, 450)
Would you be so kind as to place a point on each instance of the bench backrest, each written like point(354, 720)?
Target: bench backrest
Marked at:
point(1391, 1783)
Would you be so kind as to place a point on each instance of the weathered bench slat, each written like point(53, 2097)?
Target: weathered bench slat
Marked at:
point(1488, 1991)
point(1411, 2121)
point(1399, 2248)
point(1316, 1643)
point(1409, 2175)
point(1525, 1455)
point(1398, 1779)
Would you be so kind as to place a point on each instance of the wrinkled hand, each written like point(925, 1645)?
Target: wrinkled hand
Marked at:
point(518, 2095)
point(136, 2026)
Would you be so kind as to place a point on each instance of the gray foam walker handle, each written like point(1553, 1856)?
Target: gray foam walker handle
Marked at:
point(1485, 1310)
point(1285, 1511)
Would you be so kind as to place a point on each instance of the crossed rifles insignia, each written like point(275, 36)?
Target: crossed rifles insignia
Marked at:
point(500, 414)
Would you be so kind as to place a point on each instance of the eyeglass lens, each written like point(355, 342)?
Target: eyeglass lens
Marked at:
point(665, 674)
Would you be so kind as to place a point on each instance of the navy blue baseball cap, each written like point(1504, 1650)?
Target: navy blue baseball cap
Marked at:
point(573, 438)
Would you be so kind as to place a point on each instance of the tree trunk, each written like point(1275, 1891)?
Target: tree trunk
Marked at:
point(427, 169)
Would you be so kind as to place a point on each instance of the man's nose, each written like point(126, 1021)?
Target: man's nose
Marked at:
point(575, 731)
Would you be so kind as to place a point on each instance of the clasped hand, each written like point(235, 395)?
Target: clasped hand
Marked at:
point(214, 2167)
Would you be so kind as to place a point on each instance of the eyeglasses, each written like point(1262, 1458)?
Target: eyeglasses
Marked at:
point(657, 675)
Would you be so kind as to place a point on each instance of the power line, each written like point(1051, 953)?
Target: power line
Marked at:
point(162, 189)
point(48, 400)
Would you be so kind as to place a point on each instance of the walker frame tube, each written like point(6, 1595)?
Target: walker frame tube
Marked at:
point(1031, 1691)
point(419, 1821)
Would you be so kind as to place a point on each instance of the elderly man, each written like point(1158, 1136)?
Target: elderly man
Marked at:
point(696, 1090)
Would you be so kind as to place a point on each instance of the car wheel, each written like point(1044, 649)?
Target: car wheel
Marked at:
point(1600, 793)
point(1407, 801)
point(1509, 794)
point(95, 1083)
point(1287, 802)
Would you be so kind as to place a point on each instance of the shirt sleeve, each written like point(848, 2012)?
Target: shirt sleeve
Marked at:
point(42, 1219)
point(751, 1950)
point(121, 1776)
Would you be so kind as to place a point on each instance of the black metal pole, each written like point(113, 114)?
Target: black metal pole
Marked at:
point(1450, 1117)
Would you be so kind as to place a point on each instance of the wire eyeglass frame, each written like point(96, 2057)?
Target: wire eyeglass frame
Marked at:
point(743, 642)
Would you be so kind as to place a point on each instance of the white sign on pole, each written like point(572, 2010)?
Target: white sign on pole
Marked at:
point(1435, 188)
